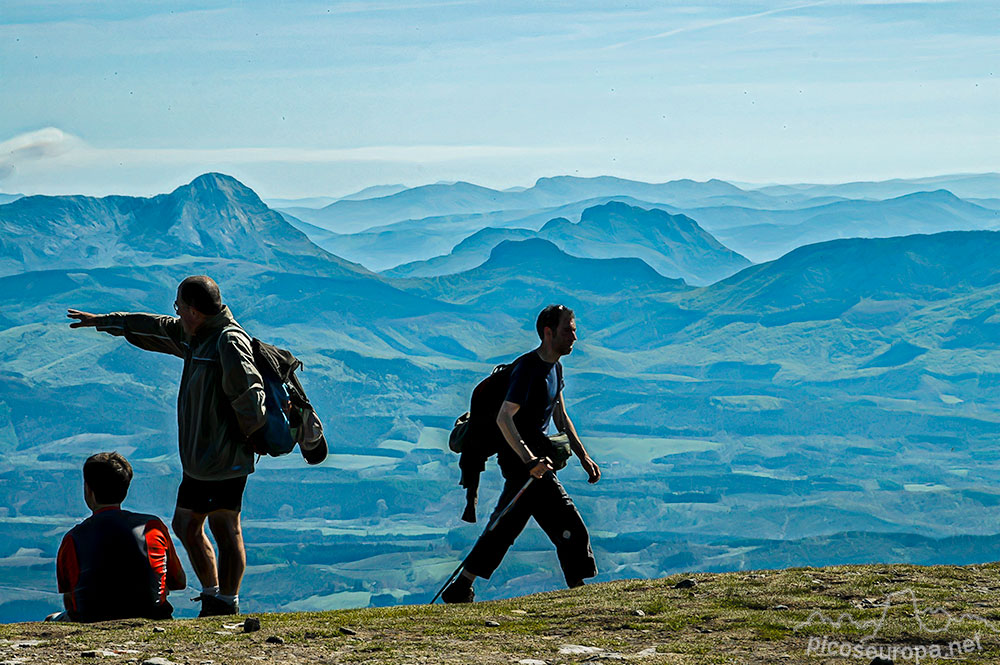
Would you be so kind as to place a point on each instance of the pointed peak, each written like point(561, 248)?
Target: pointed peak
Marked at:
point(219, 186)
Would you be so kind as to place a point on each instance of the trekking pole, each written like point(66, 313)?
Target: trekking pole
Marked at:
point(489, 527)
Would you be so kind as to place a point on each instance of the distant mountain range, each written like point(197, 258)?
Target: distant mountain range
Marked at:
point(674, 245)
point(767, 234)
point(314, 202)
point(213, 216)
point(973, 185)
point(465, 198)
point(848, 386)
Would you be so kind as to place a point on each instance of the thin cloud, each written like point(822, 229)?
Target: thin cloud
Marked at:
point(58, 147)
point(712, 24)
point(40, 145)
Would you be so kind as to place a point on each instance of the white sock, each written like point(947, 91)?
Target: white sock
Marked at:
point(232, 600)
point(210, 591)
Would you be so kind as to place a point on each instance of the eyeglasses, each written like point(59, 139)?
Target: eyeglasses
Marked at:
point(177, 307)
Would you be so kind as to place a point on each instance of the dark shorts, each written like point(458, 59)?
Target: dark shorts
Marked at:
point(206, 496)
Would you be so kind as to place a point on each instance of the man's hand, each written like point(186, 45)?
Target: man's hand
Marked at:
point(590, 466)
point(543, 466)
point(84, 319)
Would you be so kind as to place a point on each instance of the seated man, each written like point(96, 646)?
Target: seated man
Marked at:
point(115, 564)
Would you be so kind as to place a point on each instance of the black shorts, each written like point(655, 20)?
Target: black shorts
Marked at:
point(206, 496)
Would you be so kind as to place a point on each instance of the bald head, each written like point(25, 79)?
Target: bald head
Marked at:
point(200, 292)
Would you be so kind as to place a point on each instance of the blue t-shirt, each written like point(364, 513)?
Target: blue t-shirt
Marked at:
point(534, 386)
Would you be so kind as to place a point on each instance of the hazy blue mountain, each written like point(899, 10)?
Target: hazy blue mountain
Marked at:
point(992, 204)
point(7, 198)
point(213, 216)
point(763, 235)
point(527, 274)
point(415, 203)
point(466, 255)
point(973, 185)
point(839, 403)
point(383, 247)
point(308, 202)
point(674, 245)
point(822, 281)
point(374, 192)
point(464, 198)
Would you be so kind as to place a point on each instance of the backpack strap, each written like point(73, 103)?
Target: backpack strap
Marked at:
point(218, 340)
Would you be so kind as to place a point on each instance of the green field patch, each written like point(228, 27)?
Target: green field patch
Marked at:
point(334, 601)
point(748, 403)
point(355, 462)
point(396, 444)
point(434, 437)
point(642, 450)
point(925, 487)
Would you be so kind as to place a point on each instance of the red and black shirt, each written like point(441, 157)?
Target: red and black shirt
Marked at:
point(118, 564)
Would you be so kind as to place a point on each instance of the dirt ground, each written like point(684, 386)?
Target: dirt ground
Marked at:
point(848, 614)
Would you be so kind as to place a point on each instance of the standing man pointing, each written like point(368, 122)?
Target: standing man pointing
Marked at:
point(220, 405)
point(533, 399)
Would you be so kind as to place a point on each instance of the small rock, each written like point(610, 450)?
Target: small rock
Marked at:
point(251, 625)
point(492, 624)
point(878, 660)
point(348, 631)
point(780, 607)
point(275, 639)
point(520, 612)
point(158, 629)
point(638, 613)
point(577, 650)
point(531, 661)
point(158, 661)
point(651, 651)
point(686, 584)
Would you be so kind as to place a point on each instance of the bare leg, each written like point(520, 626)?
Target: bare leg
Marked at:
point(189, 527)
point(225, 526)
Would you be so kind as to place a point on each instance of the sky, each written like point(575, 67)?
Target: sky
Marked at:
point(310, 98)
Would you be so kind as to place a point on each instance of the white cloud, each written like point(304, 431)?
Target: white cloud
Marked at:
point(40, 145)
point(62, 149)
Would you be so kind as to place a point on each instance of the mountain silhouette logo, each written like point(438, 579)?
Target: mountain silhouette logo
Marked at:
point(931, 621)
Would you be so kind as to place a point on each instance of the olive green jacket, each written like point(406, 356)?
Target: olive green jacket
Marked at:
point(221, 398)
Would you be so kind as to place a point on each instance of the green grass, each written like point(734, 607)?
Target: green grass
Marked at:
point(729, 617)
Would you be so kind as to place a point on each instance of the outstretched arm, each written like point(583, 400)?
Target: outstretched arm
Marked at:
point(564, 424)
point(151, 332)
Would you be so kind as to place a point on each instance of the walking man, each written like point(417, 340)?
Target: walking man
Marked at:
point(115, 564)
point(533, 399)
point(220, 406)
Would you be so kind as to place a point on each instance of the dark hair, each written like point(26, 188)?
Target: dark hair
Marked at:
point(108, 476)
point(202, 293)
point(550, 318)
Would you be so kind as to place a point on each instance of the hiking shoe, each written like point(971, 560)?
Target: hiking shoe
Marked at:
point(458, 592)
point(216, 607)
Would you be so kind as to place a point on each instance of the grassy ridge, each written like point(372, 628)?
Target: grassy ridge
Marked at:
point(744, 617)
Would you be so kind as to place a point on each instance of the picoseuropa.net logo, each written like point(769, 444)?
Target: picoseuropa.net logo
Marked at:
point(932, 624)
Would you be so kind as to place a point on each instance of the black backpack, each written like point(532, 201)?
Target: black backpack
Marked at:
point(476, 436)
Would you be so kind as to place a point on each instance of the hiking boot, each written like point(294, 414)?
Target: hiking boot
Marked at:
point(459, 591)
point(216, 607)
